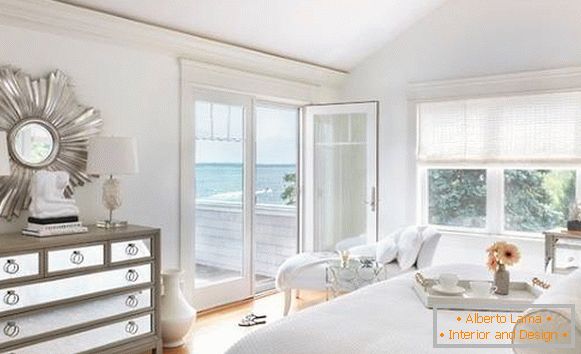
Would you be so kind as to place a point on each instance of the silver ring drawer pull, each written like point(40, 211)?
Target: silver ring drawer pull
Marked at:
point(131, 301)
point(11, 298)
point(11, 267)
point(131, 327)
point(132, 275)
point(131, 249)
point(11, 329)
point(77, 257)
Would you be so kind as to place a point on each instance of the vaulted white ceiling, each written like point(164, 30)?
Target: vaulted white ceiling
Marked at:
point(332, 33)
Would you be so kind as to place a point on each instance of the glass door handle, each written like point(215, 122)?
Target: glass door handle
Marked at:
point(373, 200)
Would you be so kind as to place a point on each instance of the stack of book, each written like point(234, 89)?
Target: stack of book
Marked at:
point(54, 226)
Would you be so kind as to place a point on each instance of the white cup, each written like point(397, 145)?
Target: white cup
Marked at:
point(482, 288)
point(448, 281)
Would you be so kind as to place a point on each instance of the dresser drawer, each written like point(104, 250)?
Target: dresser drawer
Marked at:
point(130, 250)
point(76, 258)
point(24, 326)
point(93, 338)
point(16, 297)
point(19, 266)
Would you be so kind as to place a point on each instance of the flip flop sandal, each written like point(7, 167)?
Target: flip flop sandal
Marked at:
point(253, 317)
point(249, 323)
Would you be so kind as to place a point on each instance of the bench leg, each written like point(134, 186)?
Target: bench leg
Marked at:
point(287, 300)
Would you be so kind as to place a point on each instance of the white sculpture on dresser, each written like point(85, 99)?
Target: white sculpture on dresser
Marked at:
point(177, 315)
point(48, 198)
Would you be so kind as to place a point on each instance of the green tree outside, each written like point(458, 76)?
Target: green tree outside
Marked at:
point(457, 197)
point(289, 194)
point(535, 200)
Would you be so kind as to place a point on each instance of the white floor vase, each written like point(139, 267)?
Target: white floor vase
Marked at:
point(177, 315)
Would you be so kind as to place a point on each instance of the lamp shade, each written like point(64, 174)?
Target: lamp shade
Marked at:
point(4, 158)
point(112, 156)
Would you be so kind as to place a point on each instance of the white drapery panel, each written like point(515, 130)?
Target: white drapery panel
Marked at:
point(523, 129)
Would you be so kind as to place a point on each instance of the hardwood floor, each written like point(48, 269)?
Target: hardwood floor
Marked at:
point(216, 331)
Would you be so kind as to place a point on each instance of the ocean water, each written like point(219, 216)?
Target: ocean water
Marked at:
point(223, 182)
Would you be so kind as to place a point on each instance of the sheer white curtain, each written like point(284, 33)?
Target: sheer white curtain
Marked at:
point(530, 129)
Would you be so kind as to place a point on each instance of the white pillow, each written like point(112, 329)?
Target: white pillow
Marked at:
point(431, 238)
point(394, 235)
point(386, 250)
point(409, 245)
point(566, 291)
point(387, 247)
point(363, 250)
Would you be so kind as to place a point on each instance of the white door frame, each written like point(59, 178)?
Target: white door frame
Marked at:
point(240, 288)
point(371, 108)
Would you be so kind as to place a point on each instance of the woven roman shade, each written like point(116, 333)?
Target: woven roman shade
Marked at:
point(541, 128)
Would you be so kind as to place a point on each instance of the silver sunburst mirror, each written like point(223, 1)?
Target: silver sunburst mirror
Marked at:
point(47, 129)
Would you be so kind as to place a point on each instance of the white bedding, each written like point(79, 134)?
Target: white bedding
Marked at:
point(386, 317)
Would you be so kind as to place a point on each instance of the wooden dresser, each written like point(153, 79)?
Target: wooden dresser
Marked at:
point(96, 292)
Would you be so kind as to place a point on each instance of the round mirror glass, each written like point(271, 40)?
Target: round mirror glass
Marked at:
point(33, 143)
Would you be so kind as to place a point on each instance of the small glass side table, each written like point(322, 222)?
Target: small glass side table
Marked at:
point(354, 274)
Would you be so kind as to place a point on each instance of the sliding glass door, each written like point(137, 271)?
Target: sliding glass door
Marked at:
point(223, 183)
point(242, 188)
point(242, 212)
point(340, 174)
point(275, 213)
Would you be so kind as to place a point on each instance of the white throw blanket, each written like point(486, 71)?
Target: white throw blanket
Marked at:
point(386, 317)
point(294, 265)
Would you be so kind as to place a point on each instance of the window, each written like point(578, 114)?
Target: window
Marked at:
point(457, 197)
point(537, 200)
point(488, 164)
point(498, 200)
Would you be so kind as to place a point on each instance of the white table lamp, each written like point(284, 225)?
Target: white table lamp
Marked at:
point(112, 156)
point(4, 157)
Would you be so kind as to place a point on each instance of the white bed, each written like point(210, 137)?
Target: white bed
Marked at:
point(383, 318)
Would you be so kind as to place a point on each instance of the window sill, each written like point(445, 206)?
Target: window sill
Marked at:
point(487, 235)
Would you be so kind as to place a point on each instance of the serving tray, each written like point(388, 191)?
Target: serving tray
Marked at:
point(520, 293)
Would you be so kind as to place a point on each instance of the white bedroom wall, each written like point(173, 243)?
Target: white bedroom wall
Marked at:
point(463, 38)
point(137, 93)
point(130, 72)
